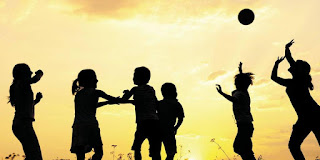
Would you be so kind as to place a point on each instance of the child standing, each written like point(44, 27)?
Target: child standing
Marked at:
point(86, 131)
point(147, 120)
point(241, 109)
point(169, 110)
point(21, 97)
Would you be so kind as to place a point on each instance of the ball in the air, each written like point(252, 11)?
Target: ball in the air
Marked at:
point(246, 16)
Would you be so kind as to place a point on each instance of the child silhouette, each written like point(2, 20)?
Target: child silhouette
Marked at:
point(147, 120)
point(305, 106)
point(21, 97)
point(86, 131)
point(241, 108)
point(169, 110)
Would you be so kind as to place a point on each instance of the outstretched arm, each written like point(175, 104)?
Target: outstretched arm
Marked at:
point(228, 97)
point(37, 77)
point(274, 75)
point(100, 104)
point(288, 54)
point(127, 94)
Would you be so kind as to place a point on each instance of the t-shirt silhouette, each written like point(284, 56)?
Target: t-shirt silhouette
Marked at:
point(241, 108)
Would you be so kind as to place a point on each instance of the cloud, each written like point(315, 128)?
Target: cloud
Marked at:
point(157, 9)
point(216, 74)
point(14, 11)
point(261, 82)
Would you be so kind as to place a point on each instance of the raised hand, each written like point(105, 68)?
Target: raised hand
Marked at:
point(290, 44)
point(39, 71)
point(240, 67)
point(39, 96)
point(279, 60)
point(219, 89)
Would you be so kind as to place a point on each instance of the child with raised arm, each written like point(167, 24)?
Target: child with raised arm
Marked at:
point(241, 108)
point(21, 97)
point(169, 111)
point(147, 120)
point(298, 90)
point(86, 131)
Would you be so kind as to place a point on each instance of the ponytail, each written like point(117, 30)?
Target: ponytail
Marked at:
point(310, 85)
point(75, 87)
point(12, 97)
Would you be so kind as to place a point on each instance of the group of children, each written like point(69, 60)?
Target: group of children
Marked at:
point(156, 120)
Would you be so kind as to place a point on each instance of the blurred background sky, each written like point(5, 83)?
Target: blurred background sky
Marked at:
point(194, 44)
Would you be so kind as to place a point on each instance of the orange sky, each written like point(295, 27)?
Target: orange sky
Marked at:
point(193, 44)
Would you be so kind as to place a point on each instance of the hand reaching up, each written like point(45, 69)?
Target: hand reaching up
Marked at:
point(290, 44)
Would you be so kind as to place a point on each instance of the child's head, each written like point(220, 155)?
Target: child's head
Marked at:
point(243, 80)
point(169, 91)
point(301, 71)
point(86, 78)
point(21, 71)
point(141, 76)
point(300, 68)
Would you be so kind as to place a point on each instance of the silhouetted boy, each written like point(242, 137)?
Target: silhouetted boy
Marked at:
point(169, 110)
point(147, 120)
point(241, 109)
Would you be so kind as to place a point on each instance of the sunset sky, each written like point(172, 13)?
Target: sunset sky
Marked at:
point(194, 44)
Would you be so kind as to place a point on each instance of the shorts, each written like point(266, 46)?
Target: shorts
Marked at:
point(169, 141)
point(147, 129)
point(85, 137)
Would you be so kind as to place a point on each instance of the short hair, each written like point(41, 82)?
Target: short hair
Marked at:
point(142, 75)
point(169, 90)
point(243, 80)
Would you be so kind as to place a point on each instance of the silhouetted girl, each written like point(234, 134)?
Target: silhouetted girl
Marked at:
point(86, 131)
point(21, 97)
point(298, 92)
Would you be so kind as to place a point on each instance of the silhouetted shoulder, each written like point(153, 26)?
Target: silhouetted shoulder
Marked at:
point(170, 107)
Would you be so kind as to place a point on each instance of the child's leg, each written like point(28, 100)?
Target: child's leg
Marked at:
point(80, 155)
point(169, 142)
point(137, 155)
point(26, 135)
point(243, 143)
point(154, 140)
point(299, 132)
point(98, 153)
point(139, 137)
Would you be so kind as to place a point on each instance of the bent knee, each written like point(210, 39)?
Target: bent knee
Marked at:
point(294, 145)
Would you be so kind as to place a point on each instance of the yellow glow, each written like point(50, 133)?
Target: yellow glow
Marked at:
point(194, 44)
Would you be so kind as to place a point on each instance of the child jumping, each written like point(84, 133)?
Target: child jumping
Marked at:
point(169, 110)
point(241, 109)
point(86, 131)
point(147, 120)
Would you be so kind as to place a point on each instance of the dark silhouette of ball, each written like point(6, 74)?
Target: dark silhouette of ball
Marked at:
point(246, 16)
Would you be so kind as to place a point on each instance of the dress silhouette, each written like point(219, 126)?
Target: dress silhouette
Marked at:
point(86, 131)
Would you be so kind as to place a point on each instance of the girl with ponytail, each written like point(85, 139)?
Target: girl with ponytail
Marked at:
point(22, 99)
point(306, 108)
point(86, 131)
